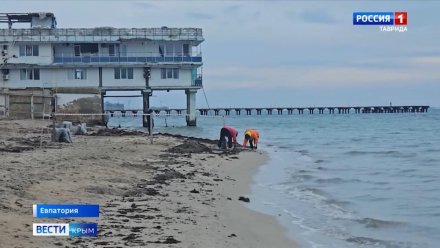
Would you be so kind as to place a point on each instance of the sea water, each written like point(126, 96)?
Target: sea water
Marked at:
point(341, 180)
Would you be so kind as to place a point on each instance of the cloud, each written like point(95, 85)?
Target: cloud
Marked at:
point(232, 9)
point(316, 77)
point(199, 16)
point(427, 61)
point(144, 5)
point(317, 16)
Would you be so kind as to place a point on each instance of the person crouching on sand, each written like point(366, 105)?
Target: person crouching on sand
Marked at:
point(229, 132)
point(252, 136)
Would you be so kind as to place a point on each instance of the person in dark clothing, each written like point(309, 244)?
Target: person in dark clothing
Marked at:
point(229, 132)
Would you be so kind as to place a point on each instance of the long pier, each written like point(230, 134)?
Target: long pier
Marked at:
point(289, 110)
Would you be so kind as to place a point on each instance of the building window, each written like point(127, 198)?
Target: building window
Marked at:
point(29, 50)
point(169, 50)
point(77, 74)
point(30, 74)
point(185, 49)
point(85, 49)
point(112, 49)
point(123, 73)
point(77, 50)
point(167, 73)
point(161, 50)
point(123, 50)
point(175, 73)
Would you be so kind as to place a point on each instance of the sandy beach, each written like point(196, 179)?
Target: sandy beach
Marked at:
point(176, 192)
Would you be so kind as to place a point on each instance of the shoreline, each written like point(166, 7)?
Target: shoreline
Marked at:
point(177, 192)
point(258, 229)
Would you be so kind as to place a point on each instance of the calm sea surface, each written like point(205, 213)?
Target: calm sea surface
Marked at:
point(356, 180)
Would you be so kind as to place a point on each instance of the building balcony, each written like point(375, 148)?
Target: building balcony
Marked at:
point(118, 59)
point(197, 81)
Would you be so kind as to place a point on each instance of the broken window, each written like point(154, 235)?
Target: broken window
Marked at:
point(185, 49)
point(77, 50)
point(112, 49)
point(86, 48)
point(78, 74)
point(89, 48)
point(161, 48)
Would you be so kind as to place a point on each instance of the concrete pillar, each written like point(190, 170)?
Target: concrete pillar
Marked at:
point(7, 105)
point(104, 118)
point(280, 111)
point(145, 109)
point(32, 106)
point(191, 107)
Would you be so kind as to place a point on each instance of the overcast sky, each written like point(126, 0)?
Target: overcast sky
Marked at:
point(290, 53)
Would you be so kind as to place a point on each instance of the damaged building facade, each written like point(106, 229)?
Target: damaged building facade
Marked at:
point(39, 62)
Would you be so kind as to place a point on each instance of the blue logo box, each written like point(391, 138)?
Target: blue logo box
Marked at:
point(64, 229)
point(83, 229)
point(65, 210)
point(373, 18)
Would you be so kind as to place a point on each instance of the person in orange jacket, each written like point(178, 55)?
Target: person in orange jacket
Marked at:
point(252, 136)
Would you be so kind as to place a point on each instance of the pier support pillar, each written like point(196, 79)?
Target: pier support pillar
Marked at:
point(280, 111)
point(145, 108)
point(191, 107)
point(104, 117)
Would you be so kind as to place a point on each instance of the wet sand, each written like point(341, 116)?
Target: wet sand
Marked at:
point(176, 192)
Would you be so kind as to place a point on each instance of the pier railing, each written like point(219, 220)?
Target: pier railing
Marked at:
point(288, 110)
point(124, 59)
point(100, 34)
